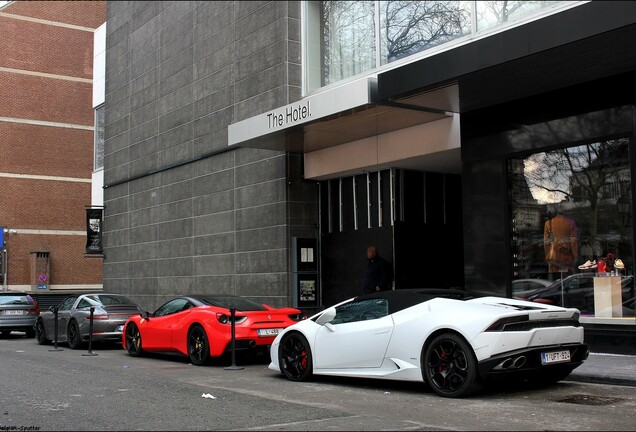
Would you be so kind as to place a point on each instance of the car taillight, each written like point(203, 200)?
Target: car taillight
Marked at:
point(36, 308)
point(544, 301)
point(99, 317)
point(225, 319)
point(500, 324)
point(297, 317)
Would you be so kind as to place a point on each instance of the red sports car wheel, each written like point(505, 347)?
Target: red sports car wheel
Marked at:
point(198, 345)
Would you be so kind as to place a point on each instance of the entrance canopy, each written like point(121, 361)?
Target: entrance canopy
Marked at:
point(343, 114)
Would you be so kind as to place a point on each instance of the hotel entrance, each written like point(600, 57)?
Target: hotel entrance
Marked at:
point(413, 217)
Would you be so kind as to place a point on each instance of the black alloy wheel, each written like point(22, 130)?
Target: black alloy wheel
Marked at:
point(450, 367)
point(198, 345)
point(73, 336)
point(40, 334)
point(133, 340)
point(294, 357)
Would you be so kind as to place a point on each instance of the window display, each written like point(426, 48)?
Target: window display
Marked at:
point(572, 228)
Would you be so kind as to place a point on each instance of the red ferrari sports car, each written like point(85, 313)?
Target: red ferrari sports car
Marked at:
point(199, 326)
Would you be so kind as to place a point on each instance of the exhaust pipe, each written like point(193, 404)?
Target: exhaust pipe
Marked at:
point(519, 362)
point(504, 364)
point(252, 344)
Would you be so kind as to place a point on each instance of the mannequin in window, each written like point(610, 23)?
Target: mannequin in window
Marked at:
point(560, 242)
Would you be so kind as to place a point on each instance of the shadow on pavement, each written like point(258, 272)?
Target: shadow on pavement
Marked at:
point(494, 389)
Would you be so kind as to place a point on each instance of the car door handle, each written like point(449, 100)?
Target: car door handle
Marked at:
point(381, 332)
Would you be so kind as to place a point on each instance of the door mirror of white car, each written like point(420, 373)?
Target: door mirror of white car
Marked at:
point(326, 317)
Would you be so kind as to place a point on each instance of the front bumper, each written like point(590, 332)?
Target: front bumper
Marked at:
point(492, 367)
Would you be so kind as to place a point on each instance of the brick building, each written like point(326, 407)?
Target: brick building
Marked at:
point(46, 141)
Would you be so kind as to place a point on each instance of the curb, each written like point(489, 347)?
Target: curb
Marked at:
point(596, 379)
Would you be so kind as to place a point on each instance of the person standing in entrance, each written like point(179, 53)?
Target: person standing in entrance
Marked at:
point(375, 276)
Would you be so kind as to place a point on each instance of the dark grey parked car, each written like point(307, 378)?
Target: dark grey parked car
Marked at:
point(111, 313)
point(18, 312)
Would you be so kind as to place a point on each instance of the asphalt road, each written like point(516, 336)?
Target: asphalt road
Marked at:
point(112, 391)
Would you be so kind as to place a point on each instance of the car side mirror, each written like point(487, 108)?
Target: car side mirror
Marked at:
point(326, 318)
point(145, 315)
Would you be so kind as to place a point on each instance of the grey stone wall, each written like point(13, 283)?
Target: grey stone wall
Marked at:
point(182, 213)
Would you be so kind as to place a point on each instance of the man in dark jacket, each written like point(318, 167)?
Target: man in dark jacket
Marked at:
point(375, 276)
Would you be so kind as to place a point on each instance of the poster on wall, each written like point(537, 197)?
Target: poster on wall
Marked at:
point(94, 230)
point(307, 290)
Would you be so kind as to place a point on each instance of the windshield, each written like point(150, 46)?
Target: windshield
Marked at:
point(15, 299)
point(239, 303)
point(109, 300)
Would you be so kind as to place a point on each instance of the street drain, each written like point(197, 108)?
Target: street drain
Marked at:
point(582, 399)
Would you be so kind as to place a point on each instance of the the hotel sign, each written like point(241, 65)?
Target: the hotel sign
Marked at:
point(326, 103)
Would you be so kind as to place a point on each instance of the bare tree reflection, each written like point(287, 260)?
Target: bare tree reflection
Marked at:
point(413, 26)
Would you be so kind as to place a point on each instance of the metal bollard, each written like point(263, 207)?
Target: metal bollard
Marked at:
point(232, 318)
point(55, 347)
point(90, 335)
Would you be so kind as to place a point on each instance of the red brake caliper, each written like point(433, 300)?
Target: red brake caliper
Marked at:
point(441, 368)
point(303, 362)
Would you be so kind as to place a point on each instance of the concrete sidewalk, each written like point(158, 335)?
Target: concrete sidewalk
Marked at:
point(607, 369)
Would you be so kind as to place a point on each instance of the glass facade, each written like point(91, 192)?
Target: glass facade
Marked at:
point(492, 13)
point(410, 27)
point(347, 38)
point(572, 240)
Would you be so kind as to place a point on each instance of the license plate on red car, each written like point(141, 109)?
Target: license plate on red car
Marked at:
point(269, 332)
point(555, 357)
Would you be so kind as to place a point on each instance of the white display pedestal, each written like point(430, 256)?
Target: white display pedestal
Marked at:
point(608, 298)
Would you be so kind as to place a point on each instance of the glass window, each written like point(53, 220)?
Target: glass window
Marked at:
point(109, 300)
point(99, 138)
point(84, 303)
point(173, 306)
point(348, 39)
point(67, 304)
point(361, 311)
point(13, 299)
point(492, 13)
point(409, 27)
point(572, 224)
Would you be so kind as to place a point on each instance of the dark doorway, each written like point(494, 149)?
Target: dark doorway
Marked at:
point(428, 235)
point(413, 217)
